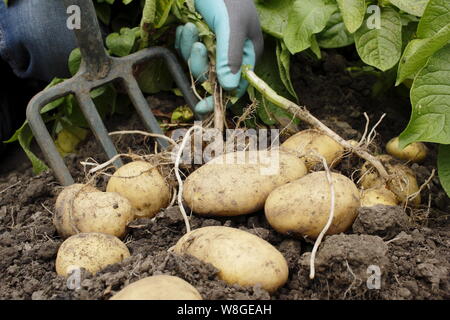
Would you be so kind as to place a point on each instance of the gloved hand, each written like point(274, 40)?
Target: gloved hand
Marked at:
point(34, 38)
point(239, 42)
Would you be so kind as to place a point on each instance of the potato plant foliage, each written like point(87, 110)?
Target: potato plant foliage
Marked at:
point(405, 38)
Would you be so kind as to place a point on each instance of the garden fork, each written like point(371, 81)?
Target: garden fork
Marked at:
point(96, 70)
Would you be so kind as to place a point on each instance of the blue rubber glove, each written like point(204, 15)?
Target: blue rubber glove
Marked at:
point(239, 42)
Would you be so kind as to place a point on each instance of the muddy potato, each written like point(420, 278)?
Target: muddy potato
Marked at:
point(64, 203)
point(161, 287)
point(302, 207)
point(233, 187)
point(313, 141)
point(142, 184)
point(415, 152)
point(103, 212)
point(403, 182)
point(241, 257)
point(378, 196)
point(91, 251)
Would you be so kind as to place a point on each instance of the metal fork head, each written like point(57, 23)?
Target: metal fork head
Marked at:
point(98, 69)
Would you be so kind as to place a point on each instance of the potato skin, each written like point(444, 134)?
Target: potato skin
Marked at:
point(313, 140)
point(378, 196)
point(415, 152)
point(91, 251)
point(64, 208)
point(142, 184)
point(302, 207)
point(241, 257)
point(161, 287)
point(221, 188)
point(103, 212)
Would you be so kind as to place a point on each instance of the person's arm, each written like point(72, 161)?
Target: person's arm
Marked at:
point(34, 38)
point(239, 42)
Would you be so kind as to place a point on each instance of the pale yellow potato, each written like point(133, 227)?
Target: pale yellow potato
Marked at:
point(402, 182)
point(91, 251)
point(415, 152)
point(241, 257)
point(161, 287)
point(142, 184)
point(378, 196)
point(64, 208)
point(103, 212)
point(311, 142)
point(241, 184)
point(302, 207)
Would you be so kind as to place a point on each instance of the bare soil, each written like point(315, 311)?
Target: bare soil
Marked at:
point(409, 246)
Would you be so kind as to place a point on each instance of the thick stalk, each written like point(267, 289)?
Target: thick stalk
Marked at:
point(303, 114)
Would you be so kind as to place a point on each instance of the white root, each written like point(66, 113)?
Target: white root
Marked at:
point(329, 222)
point(143, 133)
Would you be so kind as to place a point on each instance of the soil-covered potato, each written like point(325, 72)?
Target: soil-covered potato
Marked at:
point(224, 187)
point(309, 142)
point(91, 251)
point(415, 152)
point(161, 287)
point(378, 196)
point(241, 257)
point(302, 207)
point(402, 182)
point(63, 207)
point(142, 184)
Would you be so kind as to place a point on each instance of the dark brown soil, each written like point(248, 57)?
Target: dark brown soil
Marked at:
point(410, 247)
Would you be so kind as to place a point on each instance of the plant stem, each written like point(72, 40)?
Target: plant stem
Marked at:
point(303, 114)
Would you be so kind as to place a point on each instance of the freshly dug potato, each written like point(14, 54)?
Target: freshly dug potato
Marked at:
point(403, 182)
point(227, 186)
point(377, 196)
point(313, 141)
point(142, 184)
point(159, 287)
point(103, 212)
point(302, 207)
point(64, 207)
point(91, 251)
point(241, 257)
point(415, 152)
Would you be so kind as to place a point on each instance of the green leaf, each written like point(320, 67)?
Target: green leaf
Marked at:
point(418, 51)
point(381, 47)
point(414, 7)
point(353, 12)
point(121, 44)
point(25, 138)
point(306, 18)
point(444, 167)
point(435, 17)
point(430, 99)
point(335, 34)
point(74, 61)
point(284, 66)
point(273, 15)
point(155, 77)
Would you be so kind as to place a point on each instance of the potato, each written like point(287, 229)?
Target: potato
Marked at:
point(302, 207)
point(159, 287)
point(378, 196)
point(241, 257)
point(91, 251)
point(64, 205)
point(312, 141)
point(142, 184)
point(230, 188)
point(403, 182)
point(415, 152)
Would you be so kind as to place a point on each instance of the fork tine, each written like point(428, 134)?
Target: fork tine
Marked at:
point(97, 126)
point(143, 109)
